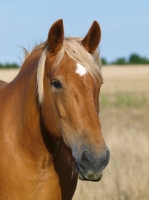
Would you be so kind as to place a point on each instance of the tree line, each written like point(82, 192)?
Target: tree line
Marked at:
point(133, 59)
point(9, 66)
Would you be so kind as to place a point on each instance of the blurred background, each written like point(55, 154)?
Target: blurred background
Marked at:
point(124, 97)
point(124, 24)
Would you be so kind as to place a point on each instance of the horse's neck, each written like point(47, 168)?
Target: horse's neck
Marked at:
point(2, 83)
point(25, 136)
point(18, 107)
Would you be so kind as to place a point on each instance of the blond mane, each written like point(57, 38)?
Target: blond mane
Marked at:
point(75, 50)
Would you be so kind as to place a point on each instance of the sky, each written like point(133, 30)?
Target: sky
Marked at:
point(124, 25)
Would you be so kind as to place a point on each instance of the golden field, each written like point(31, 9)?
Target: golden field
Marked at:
point(124, 116)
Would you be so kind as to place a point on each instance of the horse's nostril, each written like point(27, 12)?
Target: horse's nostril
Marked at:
point(88, 160)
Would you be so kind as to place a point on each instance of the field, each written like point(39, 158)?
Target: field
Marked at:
point(124, 116)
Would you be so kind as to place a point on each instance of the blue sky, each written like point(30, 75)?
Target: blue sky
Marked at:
point(124, 25)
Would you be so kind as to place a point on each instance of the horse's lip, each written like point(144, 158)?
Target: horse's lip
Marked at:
point(82, 178)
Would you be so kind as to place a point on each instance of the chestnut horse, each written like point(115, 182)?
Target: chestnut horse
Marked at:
point(50, 132)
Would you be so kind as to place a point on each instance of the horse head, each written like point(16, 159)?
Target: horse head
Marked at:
point(68, 82)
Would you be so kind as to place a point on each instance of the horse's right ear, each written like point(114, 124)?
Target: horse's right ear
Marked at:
point(56, 36)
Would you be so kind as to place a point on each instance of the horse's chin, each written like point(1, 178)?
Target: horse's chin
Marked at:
point(82, 178)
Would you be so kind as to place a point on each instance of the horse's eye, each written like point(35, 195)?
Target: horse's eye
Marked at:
point(56, 84)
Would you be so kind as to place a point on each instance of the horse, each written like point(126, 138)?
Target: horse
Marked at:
point(2, 83)
point(50, 132)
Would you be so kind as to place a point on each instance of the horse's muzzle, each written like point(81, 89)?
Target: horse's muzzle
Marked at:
point(90, 167)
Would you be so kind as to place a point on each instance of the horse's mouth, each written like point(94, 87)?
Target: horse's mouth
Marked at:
point(82, 178)
point(89, 176)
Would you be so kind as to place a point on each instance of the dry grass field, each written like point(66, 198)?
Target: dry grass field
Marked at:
point(124, 116)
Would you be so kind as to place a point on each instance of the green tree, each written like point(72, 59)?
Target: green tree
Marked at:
point(8, 66)
point(104, 62)
point(136, 59)
point(120, 61)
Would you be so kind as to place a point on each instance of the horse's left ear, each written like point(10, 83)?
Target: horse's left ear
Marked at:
point(56, 36)
point(92, 39)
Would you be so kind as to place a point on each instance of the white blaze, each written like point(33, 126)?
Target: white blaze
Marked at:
point(81, 69)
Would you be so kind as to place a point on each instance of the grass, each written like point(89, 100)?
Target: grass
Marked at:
point(123, 100)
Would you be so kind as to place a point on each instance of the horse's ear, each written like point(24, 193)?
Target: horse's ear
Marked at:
point(92, 39)
point(56, 36)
